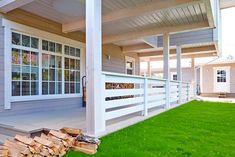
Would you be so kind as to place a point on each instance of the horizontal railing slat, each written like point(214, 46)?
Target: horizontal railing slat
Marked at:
point(156, 90)
point(122, 112)
point(113, 79)
point(123, 102)
point(122, 92)
point(156, 103)
point(156, 97)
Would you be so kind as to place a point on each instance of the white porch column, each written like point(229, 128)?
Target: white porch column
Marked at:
point(149, 69)
point(166, 66)
point(95, 122)
point(179, 71)
point(194, 77)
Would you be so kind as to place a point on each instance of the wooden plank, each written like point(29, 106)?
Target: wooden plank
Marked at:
point(43, 141)
point(58, 134)
point(25, 140)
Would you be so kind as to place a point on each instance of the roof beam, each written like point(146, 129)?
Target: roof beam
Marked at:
point(9, 5)
point(154, 31)
point(129, 12)
point(208, 49)
point(209, 12)
point(152, 40)
point(186, 56)
point(134, 48)
point(224, 4)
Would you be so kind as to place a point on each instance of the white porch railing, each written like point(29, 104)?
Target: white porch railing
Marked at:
point(145, 93)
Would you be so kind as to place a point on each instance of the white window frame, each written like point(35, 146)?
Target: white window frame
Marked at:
point(215, 69)
point(10, 26)
point(130, 59)
point(20, 47)
point(172, 76)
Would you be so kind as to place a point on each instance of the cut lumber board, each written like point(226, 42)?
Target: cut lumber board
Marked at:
point(26, 140)
point(59, 134)
point(86, 145)
point(43, 141)
point(22, 149)
point(84, 150)
point(4, 153)
point(71, 131)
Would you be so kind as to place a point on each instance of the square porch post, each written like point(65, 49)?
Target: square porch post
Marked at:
point(194, 84)
point(179, 71)
point(95, 122)
point(166, 66)
point(149, 69)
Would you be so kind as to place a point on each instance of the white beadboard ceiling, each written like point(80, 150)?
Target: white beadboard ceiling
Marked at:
point(64, 11)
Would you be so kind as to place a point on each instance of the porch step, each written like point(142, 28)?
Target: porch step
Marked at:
point(222, 95)
point(3, 138)
point(11, 131)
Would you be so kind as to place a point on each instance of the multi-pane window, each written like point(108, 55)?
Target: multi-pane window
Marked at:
point(59, 67)
point(174, 77)
point(25, 65)
point(51, 74)
point(72, 70)
point(51, 68)
point(130, 63)
point(221, 75)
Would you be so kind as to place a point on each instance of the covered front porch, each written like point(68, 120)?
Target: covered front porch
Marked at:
point(112, 105)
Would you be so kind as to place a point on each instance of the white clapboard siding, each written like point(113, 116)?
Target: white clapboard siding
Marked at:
point(123, 102)
point(123, 92)
point(156, 103)
point(122, 112)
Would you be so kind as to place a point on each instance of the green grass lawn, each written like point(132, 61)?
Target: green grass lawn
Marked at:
point(196, 129)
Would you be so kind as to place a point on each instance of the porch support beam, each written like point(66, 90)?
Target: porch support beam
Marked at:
point(179, 67)
point(158, 58)
point(95, 122)
point(130, 12)
point(8, 5)
point(196, 50)
point(149, 69)
point(194, 76)
point(154, 31)
point(166, 66)
point(133, 48)
point(179, 71)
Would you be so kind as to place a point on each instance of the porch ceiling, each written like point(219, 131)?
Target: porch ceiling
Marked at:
point(123, 16)
point(126, 23)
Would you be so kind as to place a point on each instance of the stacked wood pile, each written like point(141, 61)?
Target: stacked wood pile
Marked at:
point(55, 143)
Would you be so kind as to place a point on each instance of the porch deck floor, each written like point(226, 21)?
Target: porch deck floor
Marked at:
point(49, 120)
point(75, 118)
